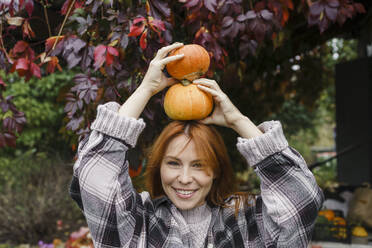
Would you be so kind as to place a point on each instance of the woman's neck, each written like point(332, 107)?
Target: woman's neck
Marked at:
point(196, 214)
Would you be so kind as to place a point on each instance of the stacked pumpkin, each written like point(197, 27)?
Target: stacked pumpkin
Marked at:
point(184, 100)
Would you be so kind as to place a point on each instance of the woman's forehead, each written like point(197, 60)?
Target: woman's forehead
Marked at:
point(179, 144)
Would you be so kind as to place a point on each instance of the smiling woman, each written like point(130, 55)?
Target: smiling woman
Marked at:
point(191, 200)
point(187, 151)
point(183, 179)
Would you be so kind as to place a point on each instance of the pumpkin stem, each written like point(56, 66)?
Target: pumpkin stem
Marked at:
point(185, 82)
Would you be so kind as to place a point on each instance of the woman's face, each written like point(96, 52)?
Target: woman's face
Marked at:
point(184, 178)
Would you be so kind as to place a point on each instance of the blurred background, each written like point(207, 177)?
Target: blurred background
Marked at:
point(305, 63)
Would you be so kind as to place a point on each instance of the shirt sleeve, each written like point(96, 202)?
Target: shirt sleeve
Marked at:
point(101, 185)
point(286, 210)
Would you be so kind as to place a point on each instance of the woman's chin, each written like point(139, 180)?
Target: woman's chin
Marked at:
point(183, 204)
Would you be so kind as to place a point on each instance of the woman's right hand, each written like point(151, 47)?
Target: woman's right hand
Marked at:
point(155, 80)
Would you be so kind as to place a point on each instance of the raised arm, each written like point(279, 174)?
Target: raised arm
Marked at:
point(290, 198)
point(101, 185)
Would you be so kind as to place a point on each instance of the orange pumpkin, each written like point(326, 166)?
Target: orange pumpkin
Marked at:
point(193, 65)
point(329, 214)
point(187, 102)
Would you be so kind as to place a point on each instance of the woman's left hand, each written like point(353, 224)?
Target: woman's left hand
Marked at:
point(225, 113)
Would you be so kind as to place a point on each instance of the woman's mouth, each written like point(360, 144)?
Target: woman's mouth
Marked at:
point(184, 194)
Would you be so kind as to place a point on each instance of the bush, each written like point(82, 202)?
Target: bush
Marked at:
point(42, 102)
point(34, 198)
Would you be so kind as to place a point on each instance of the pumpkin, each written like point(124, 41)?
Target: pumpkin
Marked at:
point(359, 231)
point(193, 65)
point(329, 214)
point(187, 102)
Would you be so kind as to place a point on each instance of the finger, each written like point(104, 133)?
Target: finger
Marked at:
point(217, 95)
point(213, 92)
point(163, 52)
point(171, 58)
point(207, 82)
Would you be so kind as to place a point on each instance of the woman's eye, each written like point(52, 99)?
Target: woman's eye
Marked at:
point(173, 163)
point(198, 165)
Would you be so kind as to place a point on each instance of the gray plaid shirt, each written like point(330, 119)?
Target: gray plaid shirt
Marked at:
point(283, 214)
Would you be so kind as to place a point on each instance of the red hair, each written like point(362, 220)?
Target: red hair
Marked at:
point(209, 146)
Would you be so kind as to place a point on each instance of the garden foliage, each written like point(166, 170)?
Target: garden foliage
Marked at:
point(34, 200)
point(112, 42)
point(42, 103)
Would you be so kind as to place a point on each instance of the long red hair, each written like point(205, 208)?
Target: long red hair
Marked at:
point(209, 146)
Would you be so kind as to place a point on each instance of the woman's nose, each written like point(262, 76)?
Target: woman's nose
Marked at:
point(185, 176)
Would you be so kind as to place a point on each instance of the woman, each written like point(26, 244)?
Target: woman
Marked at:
point(190, 203)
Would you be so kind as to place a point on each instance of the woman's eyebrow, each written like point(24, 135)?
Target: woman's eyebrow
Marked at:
point(171, 157)
point(175, 158)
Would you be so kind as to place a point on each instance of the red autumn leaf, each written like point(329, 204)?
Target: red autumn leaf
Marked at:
point(285, 16)
point(20, 46)
point(21, 66)
point(99, 56)
point(66, 5)
point(35, 70)
point(79, 4)
point(138, 20)
point(113, 51)
point(143, 40)
point(156, 24)
point(135, 30)
point(29, 5)
point(52, 64)
point(50, 41)
point(22, 49)
point(109, 59)
point(27, 31)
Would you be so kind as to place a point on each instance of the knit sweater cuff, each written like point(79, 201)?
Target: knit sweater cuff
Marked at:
point(109, 122)
point(258, 148)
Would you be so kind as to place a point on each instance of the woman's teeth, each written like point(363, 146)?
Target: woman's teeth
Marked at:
point(185, 192)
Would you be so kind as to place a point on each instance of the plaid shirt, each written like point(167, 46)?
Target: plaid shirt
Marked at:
point(283, 214)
